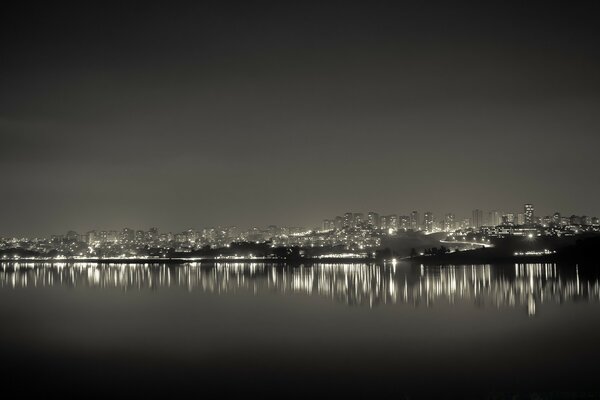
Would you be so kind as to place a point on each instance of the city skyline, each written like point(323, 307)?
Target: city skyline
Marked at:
point(416, 222)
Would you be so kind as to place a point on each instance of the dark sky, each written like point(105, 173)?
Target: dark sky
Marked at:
point(255, 113)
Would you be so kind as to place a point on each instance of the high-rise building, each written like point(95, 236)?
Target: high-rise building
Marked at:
point(415, 223)
point(477, 220)
point(494, 218)
point(140, 236)
point(449, 222)
point(373, 219)
point(358, 219)
point(328, 224)
point(383, 222)
point(508, 219)
point(338, 222)
point(529, 212)
point(392, 222)
point(153, 234)
point(127, 235)
point(92, 237)
point(428, 221)
point(404, 222)
point(348, 219)
point(520, 219)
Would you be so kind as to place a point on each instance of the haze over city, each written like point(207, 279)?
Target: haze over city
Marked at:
point(210, 114)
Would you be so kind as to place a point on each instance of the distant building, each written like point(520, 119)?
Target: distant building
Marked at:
point(477, 219)
point(373, 219)
point(328, 224)
point(358, 219)
point(415, 222)
point(404, 222)
point(383, 222)
point(428, 221)
point(72, 236)
point(520, 219)
point(338, 222)
point(92, 237)
point(529, 213)
point(494, 218)
point(449, 222)
point(140, 236)
point(348, 219)
point(508, 219)
point(127, 235)
point(393, 222)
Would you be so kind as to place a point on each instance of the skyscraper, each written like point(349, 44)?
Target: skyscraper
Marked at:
point(449, 222)
point(404, 222)
point(359, 218)
point(494, 218)
point(414, 221)
point(428, 221)
point(393, 222)
point(373, 219)
point(529, 214)
point(383, 222)
point(348, 219)
point(328, 224)
point(477, 219)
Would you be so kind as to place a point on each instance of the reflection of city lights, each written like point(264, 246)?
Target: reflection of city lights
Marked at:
point(528, 286)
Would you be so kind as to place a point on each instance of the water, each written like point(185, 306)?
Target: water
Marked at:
point(488, 331)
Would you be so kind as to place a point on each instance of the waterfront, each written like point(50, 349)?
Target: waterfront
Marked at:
point(396, 328)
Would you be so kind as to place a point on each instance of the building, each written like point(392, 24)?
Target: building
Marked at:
point(127, 235)
point(529, 213)
point(328, 224)
point(520, 219)
point(428, 221)
point(415, 222)
point(383, 222)
point(338, 222)
point(494, 218)
point(373, 219)
point(393, 222)
point(477, 220)
point(508, 219)
point(449, 222)
point(358, 219)
point(348, 219)
point(404, 222)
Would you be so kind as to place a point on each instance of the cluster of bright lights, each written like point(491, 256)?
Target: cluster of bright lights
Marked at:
point(534, 253)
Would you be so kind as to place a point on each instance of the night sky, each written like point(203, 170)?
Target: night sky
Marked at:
point(257, 113)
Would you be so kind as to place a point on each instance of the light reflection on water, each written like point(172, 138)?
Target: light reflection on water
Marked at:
point(529, 286)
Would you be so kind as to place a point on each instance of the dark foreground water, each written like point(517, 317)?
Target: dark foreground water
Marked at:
point(485, 331)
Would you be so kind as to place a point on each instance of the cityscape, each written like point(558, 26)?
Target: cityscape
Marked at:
point(300, 199)
point(354, 234)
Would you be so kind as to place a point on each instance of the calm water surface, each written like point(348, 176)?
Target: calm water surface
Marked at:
point(401, 330)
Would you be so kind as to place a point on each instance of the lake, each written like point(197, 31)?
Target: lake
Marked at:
point(401, 330)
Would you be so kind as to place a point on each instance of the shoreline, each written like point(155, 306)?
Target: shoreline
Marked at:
point(183, 260)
